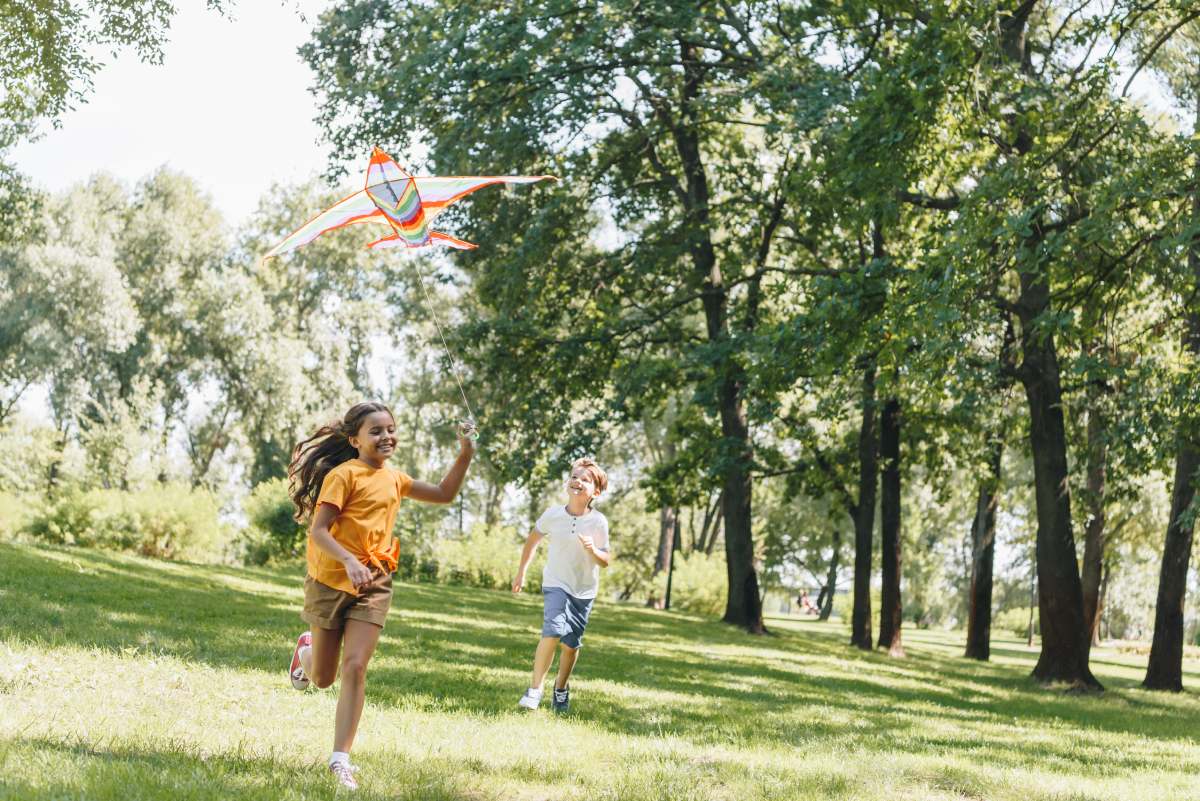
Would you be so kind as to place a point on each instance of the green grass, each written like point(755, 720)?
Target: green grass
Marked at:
point(123, 678)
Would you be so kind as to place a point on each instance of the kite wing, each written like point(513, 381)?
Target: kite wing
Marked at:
point(439, 192)
point(357, 208)
point(435, 238)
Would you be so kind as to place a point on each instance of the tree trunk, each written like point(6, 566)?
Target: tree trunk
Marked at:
point(1165, 669)
point(1093, 533)
point(712, 513)
point(1064, 655)
point(491, 509)
point(983, 552)
point(715, 535)
point(1101, 604)
point(891, 609)
point(825, 602)
point(677, 543)
point(743, 606)
point(668, 522)
point(864, 520)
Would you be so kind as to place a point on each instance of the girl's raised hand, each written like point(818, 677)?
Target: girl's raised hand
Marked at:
point(467, 434)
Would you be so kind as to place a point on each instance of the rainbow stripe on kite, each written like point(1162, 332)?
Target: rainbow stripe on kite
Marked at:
point(405, 203)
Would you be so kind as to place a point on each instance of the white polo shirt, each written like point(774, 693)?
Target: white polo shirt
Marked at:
point(568, 566)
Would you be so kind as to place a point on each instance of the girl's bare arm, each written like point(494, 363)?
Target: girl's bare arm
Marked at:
point(447, 489)
point(323, 518)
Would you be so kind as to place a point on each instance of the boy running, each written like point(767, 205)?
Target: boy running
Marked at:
point(578, 536)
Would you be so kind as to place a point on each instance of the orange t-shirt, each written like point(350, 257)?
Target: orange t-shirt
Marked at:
point(367, 499)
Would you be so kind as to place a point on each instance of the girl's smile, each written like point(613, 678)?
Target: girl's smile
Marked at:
point(376, 438)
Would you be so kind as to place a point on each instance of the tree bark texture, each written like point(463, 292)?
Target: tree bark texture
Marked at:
point(677, 543)
point(1094, 530)
point(743, 606)
point(825, 602)
point(983, 553)
point(1064, 654)
point(891, 608)
point(1165, 668)
point(668, 521)
point(864, 520)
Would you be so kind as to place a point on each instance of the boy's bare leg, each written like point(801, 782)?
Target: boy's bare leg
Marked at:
point(542, 658)
point(360, 640)
point(566, 663)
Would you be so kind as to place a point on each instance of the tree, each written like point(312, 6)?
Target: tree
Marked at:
point(664, 118)
point(1171, 45)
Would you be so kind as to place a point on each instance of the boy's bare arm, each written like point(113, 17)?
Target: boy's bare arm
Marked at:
point(531, 543)
point(602, 557)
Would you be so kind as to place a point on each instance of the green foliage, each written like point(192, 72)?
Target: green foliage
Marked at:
point(52, 54)
point(168, 522)
point(698, 584)
point(15, 509)
point(485, 557)
point(635, 535)
point(273, 533)
point(1014, 622)
point(27, 451)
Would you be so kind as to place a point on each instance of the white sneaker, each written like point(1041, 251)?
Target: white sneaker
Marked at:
point(296, 671)
point(530, 699)
point(343, 773)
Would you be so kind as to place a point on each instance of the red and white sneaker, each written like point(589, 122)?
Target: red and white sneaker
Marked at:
point(296, 671)
point(343, 773)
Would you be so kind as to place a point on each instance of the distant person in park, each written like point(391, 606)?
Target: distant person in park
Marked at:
point(340, 480)
point(806, 605)
point(578, 536)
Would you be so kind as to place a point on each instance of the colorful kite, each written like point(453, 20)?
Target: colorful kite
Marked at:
point(407, 204)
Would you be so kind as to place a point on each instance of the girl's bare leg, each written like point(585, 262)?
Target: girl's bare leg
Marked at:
point(320, 662)
point(358, 645)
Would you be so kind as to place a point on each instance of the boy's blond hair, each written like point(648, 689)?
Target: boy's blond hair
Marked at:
point(598, 476)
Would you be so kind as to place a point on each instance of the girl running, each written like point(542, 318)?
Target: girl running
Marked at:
point(340, 480)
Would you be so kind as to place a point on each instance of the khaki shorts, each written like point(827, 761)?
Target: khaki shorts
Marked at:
point(329, 608)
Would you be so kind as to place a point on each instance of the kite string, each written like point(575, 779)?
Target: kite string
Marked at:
point(436, 321)
point(445, 346)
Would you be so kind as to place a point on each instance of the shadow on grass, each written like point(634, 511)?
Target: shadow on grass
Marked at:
point(641, 672)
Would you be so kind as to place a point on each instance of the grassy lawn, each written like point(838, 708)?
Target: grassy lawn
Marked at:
point(123, 678)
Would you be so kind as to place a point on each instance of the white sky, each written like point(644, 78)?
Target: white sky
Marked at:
point(229, 106)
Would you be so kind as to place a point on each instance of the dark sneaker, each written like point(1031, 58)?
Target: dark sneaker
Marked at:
point(562, 699)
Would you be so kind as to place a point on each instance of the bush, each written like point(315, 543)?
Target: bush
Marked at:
point(427, 570)
point(273, 532)
point(843, 606)
point(699, 584)
point(169, 521)
point(1015, 622)
point(486, 557)
point(15, 510)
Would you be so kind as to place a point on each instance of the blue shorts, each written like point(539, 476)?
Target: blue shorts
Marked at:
point(565, 616)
